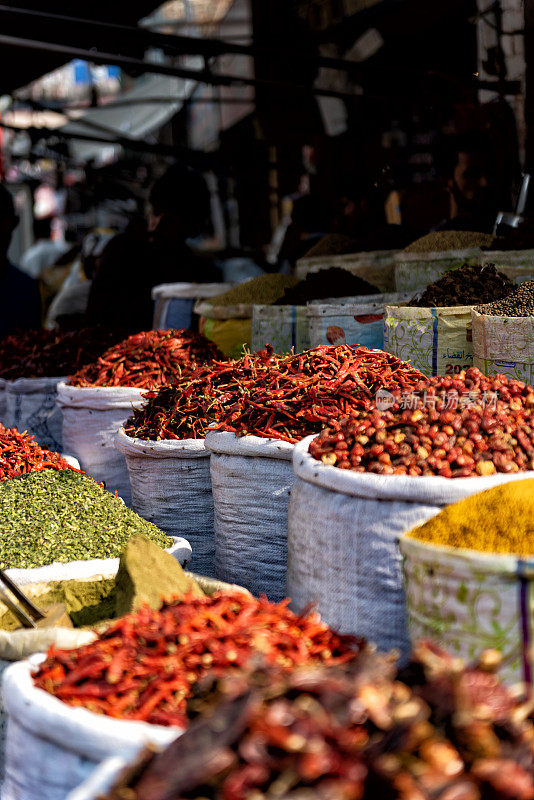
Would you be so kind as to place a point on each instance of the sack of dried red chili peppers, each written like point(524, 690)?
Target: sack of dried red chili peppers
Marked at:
point(455, 437)
point(143, 666)
point(267, 397)
point(147, 360)
point(32, 363)
point(252, 474)
point(97, 400)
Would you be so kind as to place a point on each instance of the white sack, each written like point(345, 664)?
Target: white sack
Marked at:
point(3, 401)
point(92, 417)
point(31, 406)
point(171, 487)
point(251, 479)
point(343, 530)
point(52, 747)
point(173, 302)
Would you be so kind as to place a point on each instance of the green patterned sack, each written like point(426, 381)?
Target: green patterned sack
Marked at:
point(284, 327)
point(467, 602)
point(504, 345)
point(435, 340)
point(415, 271)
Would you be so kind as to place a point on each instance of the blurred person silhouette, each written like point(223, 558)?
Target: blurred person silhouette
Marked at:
point(466, 165)
point(311, 220)
point(153, 252)
point(20, 303)
point(44, 251)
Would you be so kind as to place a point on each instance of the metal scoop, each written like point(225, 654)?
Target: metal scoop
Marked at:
point(28, 614)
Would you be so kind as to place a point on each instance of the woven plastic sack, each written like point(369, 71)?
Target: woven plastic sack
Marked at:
point(31, 406)
point(173, 302)
point(286, 328)
point(437, 341)
point(251, 479)
point(3, 401)
point(415, 271)
point(468, 602)
point(504, 345)
point(171, 487)
point(52, 747)
point(343, 530)
point(376, 266)
point(357, 321)
point(520, 260)
point(92, 417)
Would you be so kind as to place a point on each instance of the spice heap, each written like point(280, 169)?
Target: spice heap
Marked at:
point(146, 574)
point(263, 290)
point(507, 511)
point(332, 282)
point(465, 287)
point(185, 410)
point(455, 427)
point(51, 354)
point(143, 666)
point(334, 244)
point(518, 304)
point(279, 397)
point(19, 454)
point(148, 360)
point(446, 732)
point(64, 516)
point(449, 240)
point(301, 394)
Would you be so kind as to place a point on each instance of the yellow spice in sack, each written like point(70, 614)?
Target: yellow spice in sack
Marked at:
point(499, 520)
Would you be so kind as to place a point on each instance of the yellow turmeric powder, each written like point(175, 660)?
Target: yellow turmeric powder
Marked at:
point(499, 520)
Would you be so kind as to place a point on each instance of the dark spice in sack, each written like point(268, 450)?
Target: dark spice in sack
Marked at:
point(333, 282)
point(519, 303)
point(465, 287)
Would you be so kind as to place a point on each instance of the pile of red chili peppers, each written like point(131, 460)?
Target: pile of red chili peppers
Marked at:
point(143, 666)
point(186, 409)
point(148, 360)
point(20, 454)
point(279, 397)
point(52, 354)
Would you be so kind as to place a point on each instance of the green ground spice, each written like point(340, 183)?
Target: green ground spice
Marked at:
point(64, 516)
point(263, 290)
point(87, 602)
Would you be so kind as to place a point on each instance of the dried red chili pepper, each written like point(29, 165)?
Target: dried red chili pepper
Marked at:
point(283, 397)
point(144, 665)
point(19, 454)
point(148, 360)
point(50, 354)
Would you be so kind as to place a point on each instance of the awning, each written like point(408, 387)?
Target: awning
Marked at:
point(19, 67)
point(128, 117)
